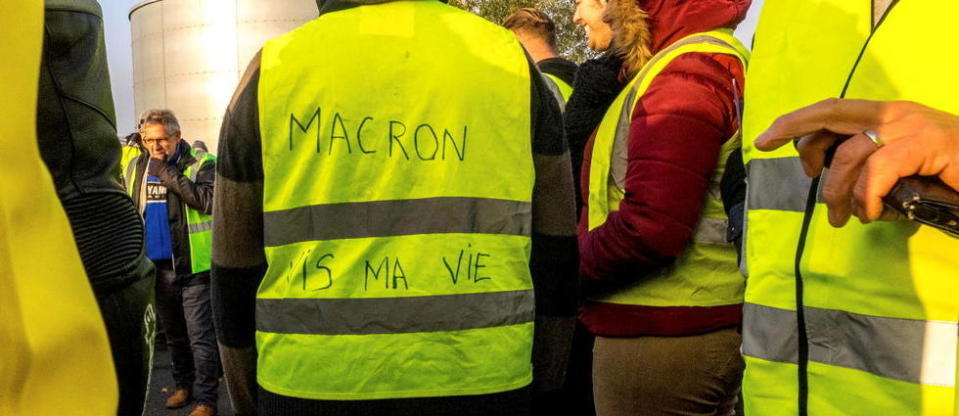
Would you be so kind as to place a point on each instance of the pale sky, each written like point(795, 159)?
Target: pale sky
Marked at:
point(120, 58)
point(120, 55)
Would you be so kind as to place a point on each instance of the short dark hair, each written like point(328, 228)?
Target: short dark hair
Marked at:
point(534, 21)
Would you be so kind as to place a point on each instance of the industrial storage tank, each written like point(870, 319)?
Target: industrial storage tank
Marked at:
point(189, 55)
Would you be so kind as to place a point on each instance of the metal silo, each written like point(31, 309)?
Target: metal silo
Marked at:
point(189, 55)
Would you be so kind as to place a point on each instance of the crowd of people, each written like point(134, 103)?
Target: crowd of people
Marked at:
point(414, 211)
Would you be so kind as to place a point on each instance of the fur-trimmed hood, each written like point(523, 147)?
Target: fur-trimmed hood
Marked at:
point(643, 27)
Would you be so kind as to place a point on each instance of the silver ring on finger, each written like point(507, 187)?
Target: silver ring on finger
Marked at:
point(871, 134)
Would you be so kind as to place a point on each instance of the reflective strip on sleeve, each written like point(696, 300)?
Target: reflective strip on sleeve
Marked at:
point(398, 315)
point(446, 215)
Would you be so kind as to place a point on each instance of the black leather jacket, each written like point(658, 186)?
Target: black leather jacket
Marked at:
point(76, 131)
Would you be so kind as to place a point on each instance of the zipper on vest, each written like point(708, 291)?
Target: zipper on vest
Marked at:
point(803, 364)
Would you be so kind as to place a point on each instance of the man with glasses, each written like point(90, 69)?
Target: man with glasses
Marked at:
point(173, 188)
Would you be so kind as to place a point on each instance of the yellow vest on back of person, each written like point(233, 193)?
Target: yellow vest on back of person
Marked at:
point(877, 330)
point(397, 206)
point(52, 339)
point(706, 274)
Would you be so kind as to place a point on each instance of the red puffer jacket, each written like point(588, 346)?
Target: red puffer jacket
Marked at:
point(677, 129)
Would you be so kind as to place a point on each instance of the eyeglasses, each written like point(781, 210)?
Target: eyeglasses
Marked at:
point(154, 142)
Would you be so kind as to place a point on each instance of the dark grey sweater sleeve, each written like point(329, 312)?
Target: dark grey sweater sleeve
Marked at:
point(238, 258)
point(239, 262)
point(554, 260)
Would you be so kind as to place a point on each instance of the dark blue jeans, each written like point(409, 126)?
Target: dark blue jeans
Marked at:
point(185, 313)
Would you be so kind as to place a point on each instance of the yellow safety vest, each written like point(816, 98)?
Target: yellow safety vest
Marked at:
point(199, 225)
point(706, 274)
point(858, 320)
point(52, 338)
point(128, 152)
point(397, 206)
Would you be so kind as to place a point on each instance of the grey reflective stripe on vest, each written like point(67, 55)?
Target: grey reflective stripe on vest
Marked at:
point(400, 315)
point(909, 350)
point(553, 88)
point(770, 333)
point(777, 184)
point(618, 165)
point(444, 215)
point(195, 167)
point(139, 195)
point(711, 231)
point(200, 227)
point(130, 171)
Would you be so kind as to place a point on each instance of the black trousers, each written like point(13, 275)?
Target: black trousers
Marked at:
point(130, 320)
point(186, 314)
